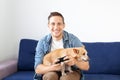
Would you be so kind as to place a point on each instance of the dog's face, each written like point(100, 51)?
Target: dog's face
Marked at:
point(80, 54)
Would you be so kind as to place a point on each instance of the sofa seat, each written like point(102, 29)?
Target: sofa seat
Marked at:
point(101, 77)
point(21, 75)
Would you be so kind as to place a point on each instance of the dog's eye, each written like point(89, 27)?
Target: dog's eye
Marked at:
point(83, 53)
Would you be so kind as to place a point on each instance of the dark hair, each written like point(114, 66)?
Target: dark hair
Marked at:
point(56, 14)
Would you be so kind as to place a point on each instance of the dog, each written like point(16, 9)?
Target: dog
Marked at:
point(79, 53)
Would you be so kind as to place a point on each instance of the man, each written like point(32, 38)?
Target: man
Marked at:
point(58, 38)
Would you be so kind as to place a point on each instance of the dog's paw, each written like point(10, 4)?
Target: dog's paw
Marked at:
point(63, 74)
point(70, 71)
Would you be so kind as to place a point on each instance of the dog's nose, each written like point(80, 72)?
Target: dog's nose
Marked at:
point(88, 58)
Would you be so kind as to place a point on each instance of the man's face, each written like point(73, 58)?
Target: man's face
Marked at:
point(56, 27)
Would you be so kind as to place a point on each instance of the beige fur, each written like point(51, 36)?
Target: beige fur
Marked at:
point(78, 53)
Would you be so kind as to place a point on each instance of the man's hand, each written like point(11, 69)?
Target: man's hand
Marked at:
point(56, 67)
point(71, 61)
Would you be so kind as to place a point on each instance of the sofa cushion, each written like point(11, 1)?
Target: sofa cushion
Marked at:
point(104, 57)
point(101, 77)
point(21, 75)
point(26, 54)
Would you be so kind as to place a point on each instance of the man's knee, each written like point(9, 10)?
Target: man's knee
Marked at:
point(50, 76)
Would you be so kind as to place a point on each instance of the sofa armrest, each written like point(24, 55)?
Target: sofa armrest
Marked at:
point(7, 68)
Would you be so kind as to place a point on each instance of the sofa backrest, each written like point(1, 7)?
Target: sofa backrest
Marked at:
point(104, 57)
point(26, 54)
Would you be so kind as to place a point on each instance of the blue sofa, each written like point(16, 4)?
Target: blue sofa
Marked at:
point(104, 61)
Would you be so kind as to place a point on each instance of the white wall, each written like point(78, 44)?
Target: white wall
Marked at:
point(90, 20)
point(8, 39)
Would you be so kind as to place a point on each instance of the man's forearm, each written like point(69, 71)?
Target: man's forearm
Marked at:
point(42, 69)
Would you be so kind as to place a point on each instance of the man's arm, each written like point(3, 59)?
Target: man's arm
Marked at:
point(42, 69)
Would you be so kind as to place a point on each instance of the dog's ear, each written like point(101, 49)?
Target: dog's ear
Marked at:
point(76, 51)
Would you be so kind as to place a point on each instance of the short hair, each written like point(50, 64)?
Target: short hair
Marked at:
point(56, 14)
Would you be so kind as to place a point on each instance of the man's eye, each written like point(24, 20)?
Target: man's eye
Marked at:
point(59, 23)
point(52, 24)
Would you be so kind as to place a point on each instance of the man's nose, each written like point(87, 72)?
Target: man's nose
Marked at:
point(56, 26)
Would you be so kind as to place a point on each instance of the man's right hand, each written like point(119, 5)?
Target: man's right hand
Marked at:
point(56, 67)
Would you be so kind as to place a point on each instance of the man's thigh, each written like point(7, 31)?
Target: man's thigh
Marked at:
point(51, 76)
